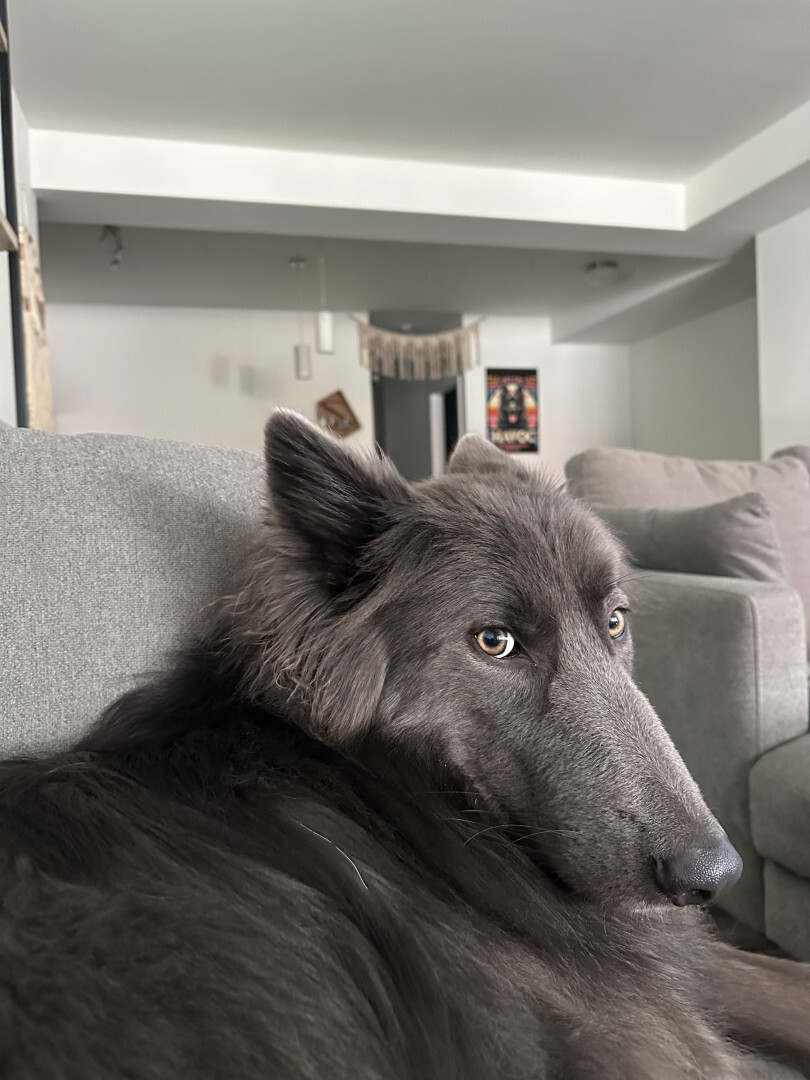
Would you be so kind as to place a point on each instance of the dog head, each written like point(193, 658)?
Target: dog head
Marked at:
point(480, 622)
point(513, 405)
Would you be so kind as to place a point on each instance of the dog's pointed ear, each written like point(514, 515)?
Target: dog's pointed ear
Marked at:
point(329, 497)
point(475, 455)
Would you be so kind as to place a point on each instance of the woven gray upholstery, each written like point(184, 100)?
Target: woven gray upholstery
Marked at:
point(787, 902)
point(733, 538)
point(112, 546)
point(780, 807)
point(722, 660)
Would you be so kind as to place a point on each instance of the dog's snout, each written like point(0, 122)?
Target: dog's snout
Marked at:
point(697, 875)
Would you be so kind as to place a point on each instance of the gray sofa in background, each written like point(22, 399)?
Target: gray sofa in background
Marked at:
point(724, 661)
point(112, 547)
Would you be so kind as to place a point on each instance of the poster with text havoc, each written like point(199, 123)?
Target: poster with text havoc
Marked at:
point(512, 409)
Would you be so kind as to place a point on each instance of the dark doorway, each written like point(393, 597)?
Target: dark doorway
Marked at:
point(402, 421)
point(402, 409)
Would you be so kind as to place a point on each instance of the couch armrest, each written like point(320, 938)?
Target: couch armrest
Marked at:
point(724, 663)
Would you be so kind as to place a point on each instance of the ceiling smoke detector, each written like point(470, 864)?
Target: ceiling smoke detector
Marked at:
point(603, 272)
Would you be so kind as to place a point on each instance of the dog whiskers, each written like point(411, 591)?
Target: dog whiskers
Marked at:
point(491, 828)
point(466, 821)
point(628, 577)
point(454, 791)
point(509, 826)
point(334, 845)
point(543, 832)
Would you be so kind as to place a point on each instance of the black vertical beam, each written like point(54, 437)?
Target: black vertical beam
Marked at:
point(10, 181)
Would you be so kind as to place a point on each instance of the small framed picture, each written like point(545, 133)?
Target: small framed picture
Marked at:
point(512, 409)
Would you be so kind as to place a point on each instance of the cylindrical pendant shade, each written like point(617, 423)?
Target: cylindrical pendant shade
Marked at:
point(303, 361)
point(324, 332)
point(438, 440)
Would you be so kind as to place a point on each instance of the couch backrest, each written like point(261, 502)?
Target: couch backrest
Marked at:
point(800, 452)
point(111, 546)
point(608, 477)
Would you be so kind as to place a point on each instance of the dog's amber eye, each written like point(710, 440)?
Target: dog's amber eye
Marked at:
point(495, 641)
point(617, 624)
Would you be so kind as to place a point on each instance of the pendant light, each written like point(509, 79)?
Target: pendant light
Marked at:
point(302, 354)
point(324, 320)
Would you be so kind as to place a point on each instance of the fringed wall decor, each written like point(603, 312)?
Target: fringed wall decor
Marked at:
point(419, 356)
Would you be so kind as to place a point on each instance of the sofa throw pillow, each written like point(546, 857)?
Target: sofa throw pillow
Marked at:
point(610, 476)
point(733, 538)
point(800, 452)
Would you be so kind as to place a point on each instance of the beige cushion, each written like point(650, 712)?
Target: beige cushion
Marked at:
point(613, 477)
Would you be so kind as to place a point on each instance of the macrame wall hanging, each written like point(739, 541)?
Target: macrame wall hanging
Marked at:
point(419, 356)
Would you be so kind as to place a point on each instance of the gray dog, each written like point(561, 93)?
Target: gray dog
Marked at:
point(399, 814)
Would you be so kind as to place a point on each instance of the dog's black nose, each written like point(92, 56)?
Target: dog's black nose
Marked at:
point(697, 875)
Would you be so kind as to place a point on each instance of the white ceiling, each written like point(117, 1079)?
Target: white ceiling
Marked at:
point(191, 268)
point(632, 88)
point(227, 136)
point(180, 266)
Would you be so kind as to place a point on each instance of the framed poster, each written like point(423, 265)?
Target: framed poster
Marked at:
point(512, 413)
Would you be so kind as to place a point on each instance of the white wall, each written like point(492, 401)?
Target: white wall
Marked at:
point(783, 307)
point(583, 389)
point(148, 371)
point(694, 388)
point(26, 199)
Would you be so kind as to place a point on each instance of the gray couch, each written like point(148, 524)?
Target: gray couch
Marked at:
point(724, 662)
point(112, 546)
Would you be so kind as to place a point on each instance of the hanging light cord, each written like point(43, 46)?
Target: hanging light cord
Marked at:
point(298, 266)
point(322, 279)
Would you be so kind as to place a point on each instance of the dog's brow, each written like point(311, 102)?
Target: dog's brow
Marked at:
point(601, 583)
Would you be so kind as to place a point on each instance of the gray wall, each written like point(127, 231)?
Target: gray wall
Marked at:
point(694, 389)
point(783, 307)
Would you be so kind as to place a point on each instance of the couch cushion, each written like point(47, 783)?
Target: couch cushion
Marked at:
point(787, 910)
point(734, 538)
point(112, 546)
point(607, 477)
point(800, 452)
point(780, 805)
